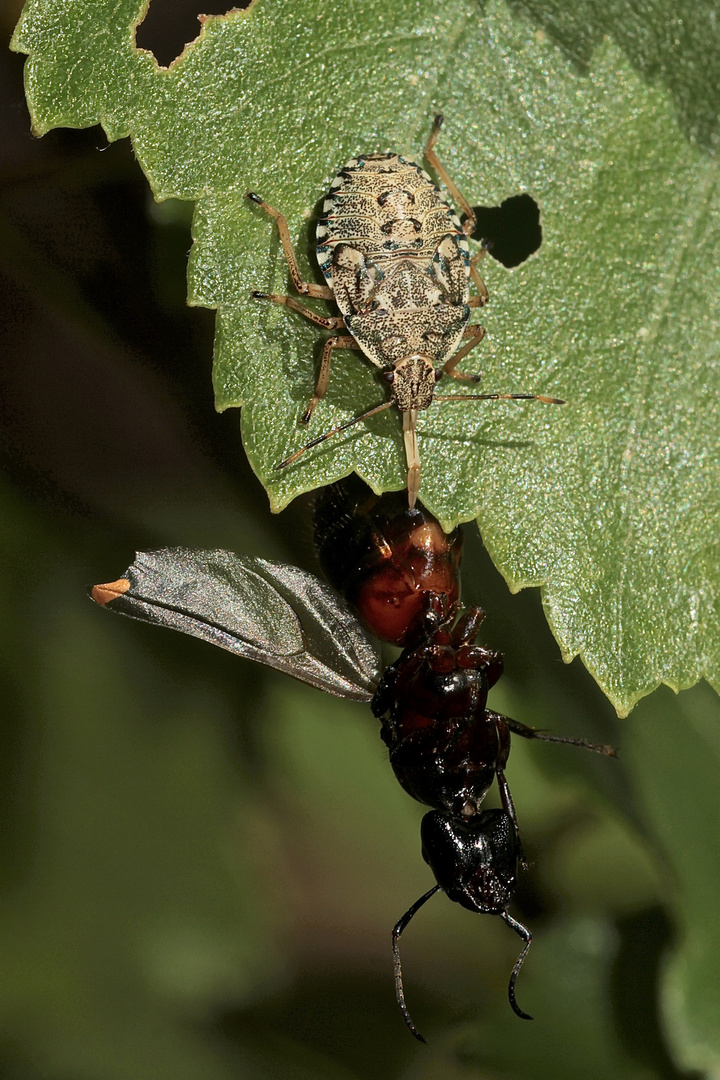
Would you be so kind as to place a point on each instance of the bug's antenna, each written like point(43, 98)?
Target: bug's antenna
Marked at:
point(397, 931)
point(334, 431)
point(525, 934)
point(500, 397)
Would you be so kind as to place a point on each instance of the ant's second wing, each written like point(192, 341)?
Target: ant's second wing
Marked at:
point(265, 611)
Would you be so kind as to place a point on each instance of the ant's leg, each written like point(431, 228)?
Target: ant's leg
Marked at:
point(533, 733)
point(385, 694)
point(305, 288)
point(509, 807)
point(332, 322)
point(476, 656)
point(437, 165)
point(466, 629)
point(394, 678)
point(340, 342)
point(476, 334)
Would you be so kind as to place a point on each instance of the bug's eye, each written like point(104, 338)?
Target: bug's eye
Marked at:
point(388, 375)
point(438, 374)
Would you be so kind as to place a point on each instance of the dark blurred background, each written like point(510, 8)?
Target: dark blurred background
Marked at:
point(201, 861)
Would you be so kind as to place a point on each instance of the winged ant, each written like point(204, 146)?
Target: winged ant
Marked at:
point(401, 572)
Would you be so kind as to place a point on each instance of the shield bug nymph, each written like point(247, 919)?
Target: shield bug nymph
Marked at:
point(397, 263)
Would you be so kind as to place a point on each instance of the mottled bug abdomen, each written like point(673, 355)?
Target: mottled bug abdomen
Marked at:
point(397, 260)
point(388, 208)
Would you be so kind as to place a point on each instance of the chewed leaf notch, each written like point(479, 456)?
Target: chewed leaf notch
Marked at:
point(168, 25)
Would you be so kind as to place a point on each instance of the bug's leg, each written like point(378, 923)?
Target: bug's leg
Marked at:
point(482, 298)
point(470, 219)
point(334, 431)
point(332, 322)
point(475, 333)
point(501, 397)
point(305, 288)
point(338, 342)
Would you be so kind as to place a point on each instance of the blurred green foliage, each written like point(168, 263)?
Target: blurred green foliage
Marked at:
point(201, 861)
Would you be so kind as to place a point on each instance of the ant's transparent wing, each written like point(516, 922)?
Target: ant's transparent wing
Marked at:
point(265, 611)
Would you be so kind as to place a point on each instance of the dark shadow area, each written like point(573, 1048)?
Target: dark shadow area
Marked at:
point(512, 230)
point(105, 381)
point(171, 24)
point(334, 1014)
point(568, 700)
point(107, 421)
point(645, 938)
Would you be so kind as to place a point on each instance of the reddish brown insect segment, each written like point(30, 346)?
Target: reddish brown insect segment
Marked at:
point(446, 747)
point(388, 560)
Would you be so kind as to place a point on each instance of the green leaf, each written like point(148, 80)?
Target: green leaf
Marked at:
point(610, 504)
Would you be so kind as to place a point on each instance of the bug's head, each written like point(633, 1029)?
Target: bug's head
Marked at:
point(412, 381)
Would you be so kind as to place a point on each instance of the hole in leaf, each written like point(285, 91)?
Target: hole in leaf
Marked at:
point(170, 24)
point(513, 229)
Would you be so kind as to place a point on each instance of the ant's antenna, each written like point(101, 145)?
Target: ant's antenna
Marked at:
point(525, 934)
point(397, 931)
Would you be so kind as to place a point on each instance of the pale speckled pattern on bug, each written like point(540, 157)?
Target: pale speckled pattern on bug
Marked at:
point(396, 257)
point(396, 261)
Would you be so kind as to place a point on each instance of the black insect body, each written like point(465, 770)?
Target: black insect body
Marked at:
point(388, 560)
point(445, 746)
point(397, 263)
point(475, 864)
point(475, 861)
